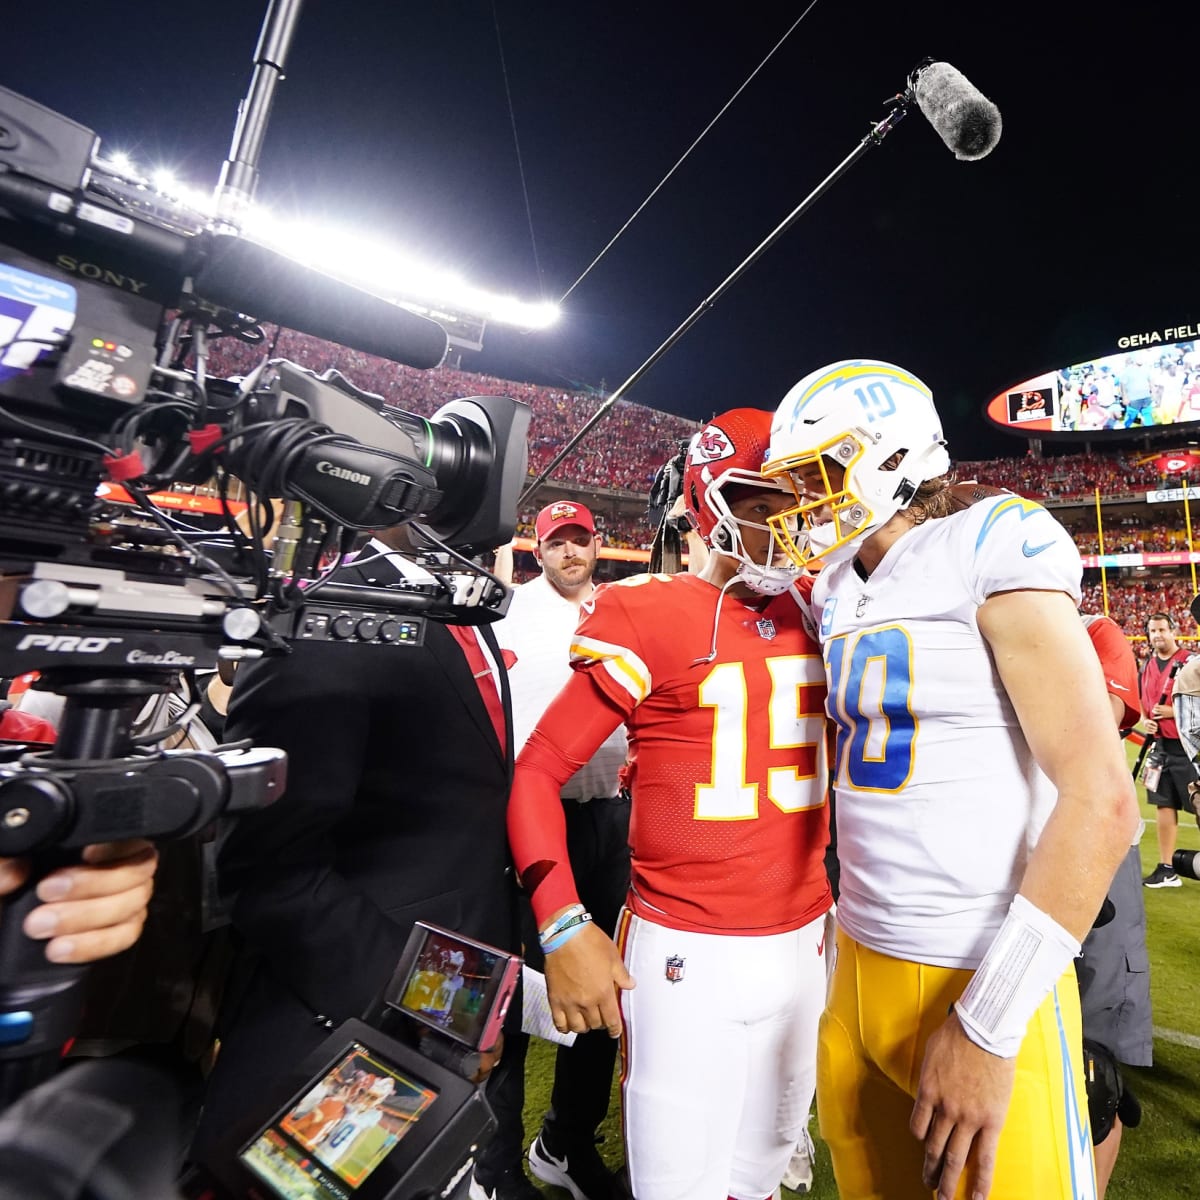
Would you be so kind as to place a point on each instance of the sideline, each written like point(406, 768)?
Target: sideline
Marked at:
point(1177, 1036)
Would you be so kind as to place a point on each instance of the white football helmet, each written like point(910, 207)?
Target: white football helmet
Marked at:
point(854, 440)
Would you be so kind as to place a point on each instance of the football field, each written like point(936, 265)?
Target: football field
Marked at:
point(1158, 1159)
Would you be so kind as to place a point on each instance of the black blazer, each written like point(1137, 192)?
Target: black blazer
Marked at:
point(394, 811)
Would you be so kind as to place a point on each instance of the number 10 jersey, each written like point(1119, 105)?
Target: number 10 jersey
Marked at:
point(939, 799)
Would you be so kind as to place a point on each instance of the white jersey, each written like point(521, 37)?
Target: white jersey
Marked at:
point(538, 630)
point(939, 800)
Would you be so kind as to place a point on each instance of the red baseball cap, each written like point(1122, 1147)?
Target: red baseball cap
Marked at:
point(562, 512)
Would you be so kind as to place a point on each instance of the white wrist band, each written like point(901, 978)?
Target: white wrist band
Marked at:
point(1026, 959)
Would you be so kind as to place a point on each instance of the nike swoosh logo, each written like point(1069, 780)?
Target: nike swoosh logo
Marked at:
point(821, 946)
point(1117, 686)
point(1030, 551)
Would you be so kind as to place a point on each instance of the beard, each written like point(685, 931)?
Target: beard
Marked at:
point(570, 575)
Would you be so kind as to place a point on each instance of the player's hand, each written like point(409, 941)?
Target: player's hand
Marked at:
point(962, 1101)
point(582, 977)
point(92, 909)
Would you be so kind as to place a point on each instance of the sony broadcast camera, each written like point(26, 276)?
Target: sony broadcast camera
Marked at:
point(110, 296)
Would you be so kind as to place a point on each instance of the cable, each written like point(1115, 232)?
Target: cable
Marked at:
point(703, 133)
point(512, 117)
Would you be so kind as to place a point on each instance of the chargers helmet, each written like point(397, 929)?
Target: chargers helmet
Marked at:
point(873, 423)
point(723, 457)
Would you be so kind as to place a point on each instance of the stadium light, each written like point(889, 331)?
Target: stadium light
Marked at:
point(434, 291)
point(164, 181)
point(389, 272)
point(123, 164)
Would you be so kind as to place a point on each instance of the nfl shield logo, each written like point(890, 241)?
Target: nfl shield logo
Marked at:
point(766, 629)
point(675, 968)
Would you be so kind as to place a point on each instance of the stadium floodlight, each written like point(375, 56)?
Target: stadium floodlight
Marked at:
point(123, 164)
point(164, 181)
point(389, 272)
point(461, 308)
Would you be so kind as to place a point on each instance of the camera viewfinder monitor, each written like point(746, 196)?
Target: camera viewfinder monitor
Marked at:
point(333, 1138)
point(456, 986)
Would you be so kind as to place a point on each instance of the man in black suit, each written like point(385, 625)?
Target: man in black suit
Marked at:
point(394, 811)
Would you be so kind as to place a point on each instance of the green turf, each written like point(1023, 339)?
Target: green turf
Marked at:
point(1160, 1160)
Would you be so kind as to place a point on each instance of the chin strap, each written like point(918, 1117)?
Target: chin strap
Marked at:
point(712, 653)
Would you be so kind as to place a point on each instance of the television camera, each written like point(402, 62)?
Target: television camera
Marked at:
point(110, 297)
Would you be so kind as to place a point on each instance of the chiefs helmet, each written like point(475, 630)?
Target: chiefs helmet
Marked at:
point(724, 457)
point(876, 424)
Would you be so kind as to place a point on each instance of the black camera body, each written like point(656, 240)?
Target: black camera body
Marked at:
point(1185, 863)
point(109, 297)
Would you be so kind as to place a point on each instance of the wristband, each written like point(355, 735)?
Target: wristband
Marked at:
point(567, 917)
point(562, 938)
point(1025, 960)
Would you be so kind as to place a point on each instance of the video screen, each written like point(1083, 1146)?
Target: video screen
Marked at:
point(340, 1131)
point(1031, 404)
point(450, 986)
point(1138, 388)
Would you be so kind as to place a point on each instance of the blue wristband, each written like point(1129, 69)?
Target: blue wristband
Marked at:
point(563, 937)
point(568, 917)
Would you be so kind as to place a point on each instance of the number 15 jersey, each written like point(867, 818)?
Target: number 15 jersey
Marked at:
point(729, 819)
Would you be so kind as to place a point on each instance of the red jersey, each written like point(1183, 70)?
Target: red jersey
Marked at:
point(1117, 663)
point(728, 766)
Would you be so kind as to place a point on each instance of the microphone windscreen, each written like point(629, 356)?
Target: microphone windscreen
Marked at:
point(964, 118)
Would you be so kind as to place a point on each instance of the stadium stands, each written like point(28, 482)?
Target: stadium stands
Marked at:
point(622, 454)
point(620, 458)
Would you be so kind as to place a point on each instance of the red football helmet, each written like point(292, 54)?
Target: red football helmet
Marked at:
point(722, 458)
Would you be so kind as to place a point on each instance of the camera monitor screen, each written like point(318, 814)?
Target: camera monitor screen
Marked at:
point(454, 985)
point(329, 1142)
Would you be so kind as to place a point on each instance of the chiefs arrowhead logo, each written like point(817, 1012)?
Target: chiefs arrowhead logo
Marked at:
point(711, 445)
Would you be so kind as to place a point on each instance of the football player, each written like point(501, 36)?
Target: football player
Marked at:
point(983, 803)
point(718, 680)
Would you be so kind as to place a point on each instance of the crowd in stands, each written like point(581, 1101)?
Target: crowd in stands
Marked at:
point(632, 442)
point(1069, 476)
point(1130, 534)
point(623, 452)
point(1131, 602)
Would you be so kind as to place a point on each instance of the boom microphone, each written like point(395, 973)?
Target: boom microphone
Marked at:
point(964, 118)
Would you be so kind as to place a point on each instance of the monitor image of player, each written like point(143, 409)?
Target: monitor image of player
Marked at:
point(329, 1142)
point(454, 985)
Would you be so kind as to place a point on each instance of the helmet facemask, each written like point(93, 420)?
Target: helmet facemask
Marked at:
point(770, 577)
point(853, 442)
point(723, 460)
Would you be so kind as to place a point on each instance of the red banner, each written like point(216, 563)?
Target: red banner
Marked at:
point(1177, 462)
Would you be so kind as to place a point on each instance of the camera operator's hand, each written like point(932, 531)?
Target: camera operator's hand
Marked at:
point(1151, 727)
point(93, 909)
point(582, 977)
point(1160, 712)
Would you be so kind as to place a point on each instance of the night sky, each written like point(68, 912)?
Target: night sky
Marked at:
point(1081, 227)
